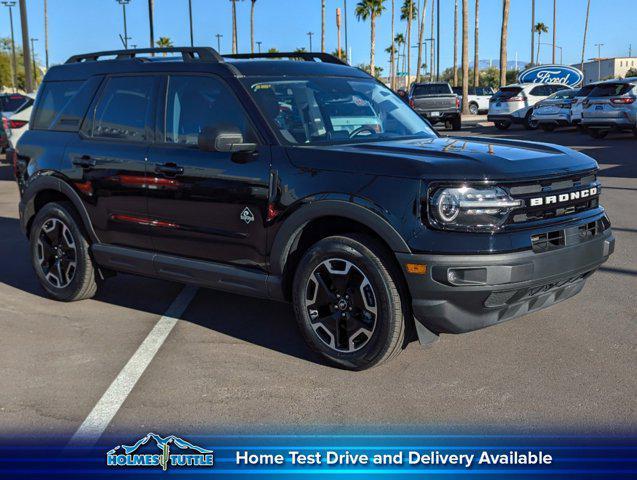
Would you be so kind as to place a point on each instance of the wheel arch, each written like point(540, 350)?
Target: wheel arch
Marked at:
point(46, 189)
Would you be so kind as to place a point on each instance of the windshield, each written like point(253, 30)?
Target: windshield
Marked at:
point(327, 110)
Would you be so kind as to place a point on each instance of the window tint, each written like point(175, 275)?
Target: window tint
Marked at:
point(611, 89)
point(10, 103)
point(507, 92)
point(541, 91)
point(124, 108)
point(432, 89)
point(195, 102)
point(53, 98)
point(585, 91)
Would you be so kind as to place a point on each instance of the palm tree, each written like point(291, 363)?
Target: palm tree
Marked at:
point(476, 57)
point(539, 28)
point(300, 50)
point(164, 42)
point(400, 42)
point(151, 22)
point(252, 26)
point(432, 62)
point(455, 43)
point(392, 52)
point(407, 12)
point(503, 41)
point(421, 31)
point(588, 9)
point(234, 26)
point(465, 56)
point(370, 9)
point(554, 28)
point(532, 31)
point(323, 26)
point(273, 50)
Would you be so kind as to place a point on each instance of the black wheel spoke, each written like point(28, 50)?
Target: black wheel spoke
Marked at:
point(56, 252)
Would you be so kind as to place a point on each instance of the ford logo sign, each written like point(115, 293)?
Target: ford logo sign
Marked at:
point(561, 74)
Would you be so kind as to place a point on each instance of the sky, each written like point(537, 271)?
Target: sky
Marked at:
point(77, 26)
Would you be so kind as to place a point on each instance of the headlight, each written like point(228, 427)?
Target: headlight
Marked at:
point(476, 209)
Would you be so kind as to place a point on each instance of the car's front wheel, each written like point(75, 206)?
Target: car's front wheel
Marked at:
point(502, 125)
point(347, 301)
point(60, 253)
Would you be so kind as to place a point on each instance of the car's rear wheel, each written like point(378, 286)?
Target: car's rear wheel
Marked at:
point(60, 253)
point(529, 123)
point(547, 127)
point(597, 133)
point(473, 108)
point(347, 302)
point(502, 125)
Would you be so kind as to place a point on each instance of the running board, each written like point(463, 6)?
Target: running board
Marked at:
point(213, 275)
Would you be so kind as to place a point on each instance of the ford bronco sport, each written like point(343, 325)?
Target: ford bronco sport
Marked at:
point(297, 178)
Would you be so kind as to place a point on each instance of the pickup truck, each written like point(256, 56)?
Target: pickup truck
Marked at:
point(437, 103)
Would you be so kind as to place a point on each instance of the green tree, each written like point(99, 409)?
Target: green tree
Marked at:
point(370, 9)
point(273, 50)
point(6, 80)
point(366, 68)
point(164, 42)
point(539, 28)
point(631, 73)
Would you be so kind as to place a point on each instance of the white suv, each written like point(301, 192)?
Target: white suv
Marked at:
point(478, 98)
point(514, 103)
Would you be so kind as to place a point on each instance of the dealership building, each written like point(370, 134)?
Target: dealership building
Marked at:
point(599, 69)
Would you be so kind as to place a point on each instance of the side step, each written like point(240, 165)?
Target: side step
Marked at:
point(213, 275)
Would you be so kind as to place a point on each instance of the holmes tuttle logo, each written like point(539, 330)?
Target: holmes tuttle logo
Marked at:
point(177, 456)
point(561, 74)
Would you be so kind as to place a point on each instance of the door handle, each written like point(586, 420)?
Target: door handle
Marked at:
point(170, 169)
point(85, 161)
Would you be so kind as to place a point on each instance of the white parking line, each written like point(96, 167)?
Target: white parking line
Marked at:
point(107, 406)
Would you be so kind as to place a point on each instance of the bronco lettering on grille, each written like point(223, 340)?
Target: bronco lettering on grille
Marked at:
point(563, 197)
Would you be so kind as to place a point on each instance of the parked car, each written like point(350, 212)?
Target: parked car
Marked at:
point(18, 122)
point(437, 103)
point(228, 173)
point(12, 102)
point(555, 110)
point(611, 106)
point(478, 98)
point(578, 104)
point(514, 103)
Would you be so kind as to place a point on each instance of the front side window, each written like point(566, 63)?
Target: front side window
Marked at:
point(124, 109)
point(325, 110)
point(196, 102)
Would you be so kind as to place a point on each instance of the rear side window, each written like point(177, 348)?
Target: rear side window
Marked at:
point(585, 91)
point(432, 89)
point(11, 103)
point(53, 98)
point(611, 89)
point(124, 108)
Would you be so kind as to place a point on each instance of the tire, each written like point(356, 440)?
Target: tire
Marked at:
point(582, 128)
point(547, 127)
point(502, 125)
point(473, 108)
point(597, 134)
point(456, 124)
point(529, 124)
point(355, 273)
point(76, 278)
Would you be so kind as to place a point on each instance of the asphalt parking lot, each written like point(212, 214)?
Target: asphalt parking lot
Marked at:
point(233, 363)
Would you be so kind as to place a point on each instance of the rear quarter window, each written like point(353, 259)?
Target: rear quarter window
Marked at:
point(52, 100)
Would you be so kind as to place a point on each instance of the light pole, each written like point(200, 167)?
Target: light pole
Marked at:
point(438, 43)
point(123, 3)
point(599, 60)
point(259, 46)
point(310, 34)
point(554, 47)
point(14, 61)
point(192, 41)
point(219, 36)
point(35, 75)
point(46, 34)
point(151, 22)
point(347, 59)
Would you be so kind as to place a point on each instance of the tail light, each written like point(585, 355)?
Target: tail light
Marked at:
point(457, 102)
point(622, 100)
point(514, 99)
point(17, 123)
point(5, 123)
point(411, 103)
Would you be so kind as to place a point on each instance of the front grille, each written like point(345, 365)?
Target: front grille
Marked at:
point(554, 198)
point(545, 242)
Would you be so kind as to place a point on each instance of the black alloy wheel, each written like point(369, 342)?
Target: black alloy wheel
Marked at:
point(56, 253)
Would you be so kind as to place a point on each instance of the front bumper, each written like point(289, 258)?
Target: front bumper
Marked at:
point(461, 293)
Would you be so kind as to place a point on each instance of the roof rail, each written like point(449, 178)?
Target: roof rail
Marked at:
point(189, 54)
point(306, 56)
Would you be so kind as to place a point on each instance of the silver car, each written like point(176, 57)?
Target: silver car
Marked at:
point(612, 105)
point(555, 110)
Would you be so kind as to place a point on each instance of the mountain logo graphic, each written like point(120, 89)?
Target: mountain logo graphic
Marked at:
point(173, 451)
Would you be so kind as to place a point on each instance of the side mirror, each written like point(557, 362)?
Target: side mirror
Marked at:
point(223, 139)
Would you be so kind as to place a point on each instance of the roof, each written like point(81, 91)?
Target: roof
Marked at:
point(201, 60)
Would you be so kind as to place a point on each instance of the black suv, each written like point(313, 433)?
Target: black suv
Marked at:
point(299, 179)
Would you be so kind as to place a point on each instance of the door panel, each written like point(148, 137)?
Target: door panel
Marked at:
point(207, 205)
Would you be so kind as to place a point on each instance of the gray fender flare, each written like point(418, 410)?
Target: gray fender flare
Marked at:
point(47, 182)
point(292, 226)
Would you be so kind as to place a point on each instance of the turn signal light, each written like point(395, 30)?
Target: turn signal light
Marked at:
point(416, 268)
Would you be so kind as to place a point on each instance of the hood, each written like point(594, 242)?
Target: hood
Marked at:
point(446, 158)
